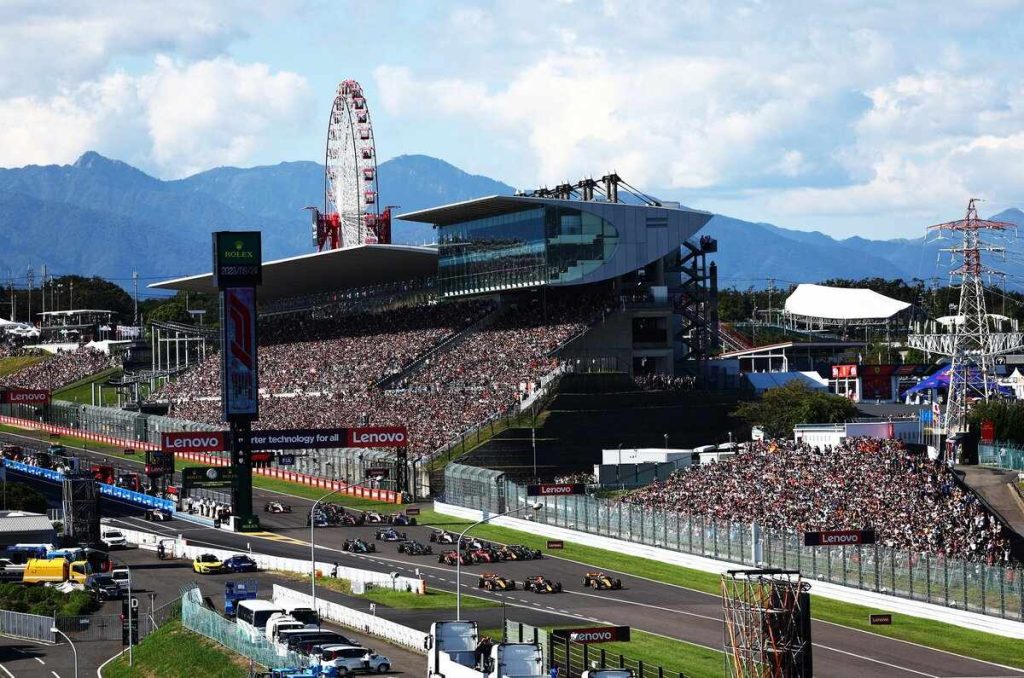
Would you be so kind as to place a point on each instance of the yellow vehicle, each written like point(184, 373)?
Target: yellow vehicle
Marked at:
point(56, 570)
point(207, 563)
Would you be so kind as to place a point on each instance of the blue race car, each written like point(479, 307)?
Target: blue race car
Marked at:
point(240, 563)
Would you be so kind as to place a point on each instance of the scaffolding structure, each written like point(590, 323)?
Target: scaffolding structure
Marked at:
point(81, 508)
point(767, 624)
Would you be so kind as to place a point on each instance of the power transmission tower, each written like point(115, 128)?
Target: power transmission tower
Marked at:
point(971, 370)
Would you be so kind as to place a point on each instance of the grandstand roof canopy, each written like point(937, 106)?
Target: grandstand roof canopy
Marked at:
point(359, 266)
point(841, 303)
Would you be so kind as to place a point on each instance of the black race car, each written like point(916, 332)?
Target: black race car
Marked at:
point(601, 581)
point(454, 557)
point(518, 552)
point(357, 545)
point(493, 582)
point(390, 534)
point(540, 584)
point(414, 548)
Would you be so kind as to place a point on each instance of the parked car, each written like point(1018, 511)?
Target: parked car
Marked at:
point(349, 659)
point(207, 563)
point(240, 563)
point(114, 539)
point(104, 586)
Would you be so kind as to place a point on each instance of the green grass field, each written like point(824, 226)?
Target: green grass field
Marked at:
point(18, 362)
point(694, 661)
point(940, 636)
point(402, 600)
point(172, 651)
point(81, 391)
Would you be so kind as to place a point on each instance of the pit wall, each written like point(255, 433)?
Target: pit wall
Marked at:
point(879, 601)
point(387, 496)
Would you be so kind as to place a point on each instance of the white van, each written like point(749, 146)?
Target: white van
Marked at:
point(253, 615)
point(279, 622)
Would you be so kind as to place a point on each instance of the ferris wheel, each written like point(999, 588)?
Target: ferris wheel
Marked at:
point(351, 213)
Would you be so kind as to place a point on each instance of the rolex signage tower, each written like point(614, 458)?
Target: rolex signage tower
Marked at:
point(237, 271)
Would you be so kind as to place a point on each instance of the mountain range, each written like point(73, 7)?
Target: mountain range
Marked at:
point(104, 217)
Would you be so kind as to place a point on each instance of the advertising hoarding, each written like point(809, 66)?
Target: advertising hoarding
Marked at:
point(239, 362)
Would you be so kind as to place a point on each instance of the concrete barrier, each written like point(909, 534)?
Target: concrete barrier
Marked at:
point(370, 624)
point(879, 601)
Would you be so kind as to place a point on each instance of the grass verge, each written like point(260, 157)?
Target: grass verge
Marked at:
point(81, 391)
point(173, 651)
point(694, 661)
point(16, 363)
point(401, 600)
point(967, 642)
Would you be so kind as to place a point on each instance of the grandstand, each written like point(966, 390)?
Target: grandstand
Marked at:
point(606, 287)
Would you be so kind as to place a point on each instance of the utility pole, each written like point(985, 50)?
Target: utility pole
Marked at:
point(135, 282)
point(42, 287)
point(11, 288)
point(31, 278)
point(771, 291)
point(71, 298)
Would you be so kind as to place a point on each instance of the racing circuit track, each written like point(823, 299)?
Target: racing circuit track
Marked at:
point(655, 607)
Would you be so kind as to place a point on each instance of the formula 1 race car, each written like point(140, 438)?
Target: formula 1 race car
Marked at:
point(519, 552)
point(443, 537)
point(390, 534)
point(401, 519)
point(414, 548)
point(484, 555)
point(600, 581)
point(375, 518)
point(276, 507)
point(453, 557)
point(352, 519)
point(493, 582)
point(474, 544)
point(540, 584)
point(357, 545)
point(158, 514)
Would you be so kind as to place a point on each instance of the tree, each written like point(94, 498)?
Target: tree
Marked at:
point(779, 410)
point(21, 497)
point(1006, 415)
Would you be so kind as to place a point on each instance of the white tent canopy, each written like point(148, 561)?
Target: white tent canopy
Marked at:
point(842, 303)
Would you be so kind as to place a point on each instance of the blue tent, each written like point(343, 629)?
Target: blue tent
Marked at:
point(941, 380)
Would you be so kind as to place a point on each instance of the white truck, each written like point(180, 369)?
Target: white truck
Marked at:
point(455, 650)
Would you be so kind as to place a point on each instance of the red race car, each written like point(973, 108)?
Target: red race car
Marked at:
point(454, 557)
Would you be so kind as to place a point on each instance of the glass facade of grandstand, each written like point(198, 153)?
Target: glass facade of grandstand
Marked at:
point(988, 589)
point(540, 246)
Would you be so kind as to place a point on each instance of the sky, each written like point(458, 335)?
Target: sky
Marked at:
point(852, 118)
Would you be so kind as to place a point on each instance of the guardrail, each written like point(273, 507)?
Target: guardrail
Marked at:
point(180, 548)
point(369, 624)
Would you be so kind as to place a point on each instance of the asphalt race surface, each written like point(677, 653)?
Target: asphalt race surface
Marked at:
point(655, 607)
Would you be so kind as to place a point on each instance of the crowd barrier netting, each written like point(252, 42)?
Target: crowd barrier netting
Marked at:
point(975, 587)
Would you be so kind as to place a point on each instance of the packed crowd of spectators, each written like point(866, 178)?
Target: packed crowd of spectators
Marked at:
point(63, 368)
point(580, 477)
point(911, 502)
point(320, 373)
point(664, 382)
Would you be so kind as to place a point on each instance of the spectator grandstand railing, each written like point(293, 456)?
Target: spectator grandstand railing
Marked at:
point(1002, 454)
point(975, 587)
point(356, 298)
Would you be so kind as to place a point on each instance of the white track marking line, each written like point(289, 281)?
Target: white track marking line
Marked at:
point(4, 669)
point(55, 674)
point(39, 660)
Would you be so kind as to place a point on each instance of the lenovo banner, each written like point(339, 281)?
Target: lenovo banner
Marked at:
point(24, 396)
point(197, 441)
point(597, 634)
point(378, 436)
point(880, 619)
point(839, 538)
point(554, 489)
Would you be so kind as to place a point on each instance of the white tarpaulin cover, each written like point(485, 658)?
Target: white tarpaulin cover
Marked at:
point(841, 303)
point(762, 381)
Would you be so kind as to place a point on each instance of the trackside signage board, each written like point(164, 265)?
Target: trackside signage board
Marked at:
point(326, 438)
point(880, 619)
point(556, 544)
point(194, 441)
point(213, 476)
point(554, 489)
point(839, 538)
point(25, 396)
point(597, 634)
point(239, 363)
point(237, 259)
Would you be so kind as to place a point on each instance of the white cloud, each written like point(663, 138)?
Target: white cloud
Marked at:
point(173, 120)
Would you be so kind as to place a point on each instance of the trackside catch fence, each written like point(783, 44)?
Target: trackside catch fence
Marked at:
point(994, 590)
point(22, 625)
